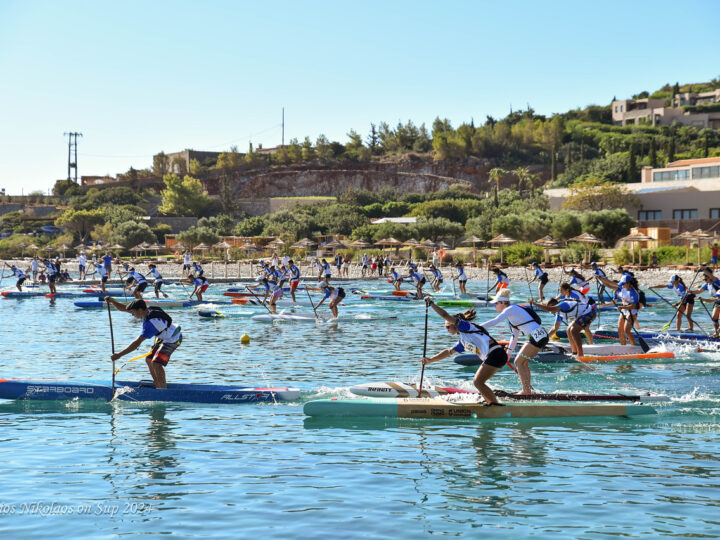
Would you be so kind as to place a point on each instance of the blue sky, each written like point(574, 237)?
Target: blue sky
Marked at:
point(138, 77)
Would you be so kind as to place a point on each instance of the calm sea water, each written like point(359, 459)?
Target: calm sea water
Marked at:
point(90, 469)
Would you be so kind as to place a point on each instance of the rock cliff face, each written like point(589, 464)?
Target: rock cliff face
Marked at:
point(410, 174)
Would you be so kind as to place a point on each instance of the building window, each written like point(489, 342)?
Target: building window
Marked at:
point(685, 214)
point(706, 172)
point(649, 215)
point(666, 176)
point(615, 108)
point(715, 213)
point(621, 108)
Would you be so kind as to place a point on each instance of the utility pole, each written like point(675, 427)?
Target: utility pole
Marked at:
point(72, 148)
point(283, 126)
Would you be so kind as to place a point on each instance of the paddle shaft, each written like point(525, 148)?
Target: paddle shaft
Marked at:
point(422, 371)
point(311, 302)
point(677, 310)
point(262, 302)
point(689, 318)
point(112, 344)
point(528, 283)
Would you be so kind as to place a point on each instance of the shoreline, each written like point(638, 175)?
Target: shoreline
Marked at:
point(220, 272)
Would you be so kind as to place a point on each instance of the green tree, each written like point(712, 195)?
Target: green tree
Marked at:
point(339, 219)
point(251, 226)
point(594, 194)
point(608, 225)
point(197, 169)
point(308, 152)
point(117, 214)
point(195, 236)
point(494, 178)
point(231, 160)
point(184, 196)
point(132, 233)
point(160, 230)
point(566, 225)
point(323, 148)
point(161, 164)
point(80, 222)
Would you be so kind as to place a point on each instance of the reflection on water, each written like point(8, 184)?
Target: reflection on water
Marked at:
point(266, 469)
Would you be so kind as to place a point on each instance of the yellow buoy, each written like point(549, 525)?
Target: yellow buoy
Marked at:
point(245, 339)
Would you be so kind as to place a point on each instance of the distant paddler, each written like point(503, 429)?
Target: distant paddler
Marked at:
point(521, 320)
point(566, 292)
point(18, 274)
point(155, 324)
point(541, 276)
point(51, 271)
point(712, 286)
point(158, 279)
point(201, 285)
point(502, 282)
point(474, 339)
point(82, 263)
point(395, 278)
point(600, 286)
point(462, 278)
point(629, 306)
point(579, 281)
point(276, 293)
point(418, 278)
point(294, 278)
point(685, 303)
point(437, 277)
point(138, 280)
point(333, 294)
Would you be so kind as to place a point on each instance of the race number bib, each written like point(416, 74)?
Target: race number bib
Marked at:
point(538, 334)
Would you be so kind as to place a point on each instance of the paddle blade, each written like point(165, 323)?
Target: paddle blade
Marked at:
point(643, 344)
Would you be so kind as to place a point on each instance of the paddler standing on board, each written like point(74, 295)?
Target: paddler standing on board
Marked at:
point(334, 294)
point(155, 324)
point(475, 339)
point(294, 278)
point(525, 320)
point(578, 315)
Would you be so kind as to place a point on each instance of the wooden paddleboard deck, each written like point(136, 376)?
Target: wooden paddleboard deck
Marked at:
point(438, 408)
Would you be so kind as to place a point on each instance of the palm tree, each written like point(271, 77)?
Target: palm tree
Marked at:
point(524, 177)
point(495, 175)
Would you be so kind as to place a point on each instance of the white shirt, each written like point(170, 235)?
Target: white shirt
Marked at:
point(519, 321)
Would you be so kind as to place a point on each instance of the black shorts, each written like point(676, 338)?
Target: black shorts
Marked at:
point(689, 300)
point(341, 293)
point(51, 279)
point(497, 358)
point(544, 279)
point(104, 279)
point(141, 287)
point(20, 281)
point(129, 281)
point(158, 285)
point(439, 280)
point(540, 344)
point(584, 320)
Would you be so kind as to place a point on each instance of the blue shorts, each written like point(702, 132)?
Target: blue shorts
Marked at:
point(713, 260)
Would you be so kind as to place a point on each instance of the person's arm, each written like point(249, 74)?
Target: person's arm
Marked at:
point(440, 311)
point(607, 282)
point(439, 356)
point(118, 305)
point(499, 318)
point(130, 348)
point(544, 307)
point(513, 341)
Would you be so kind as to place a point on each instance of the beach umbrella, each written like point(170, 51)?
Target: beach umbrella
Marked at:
point(22, 246)
point(686, 237)
point(155, 247)
point(389, 242)
point(472, 240)
point(63, 248)
point(442, 245)
point(307, 242)
point(224, 246)
point(360, 244)
point(501, 240)
point(547, 242)
point(635, 237)
point(201, 247)
point(587, 239)
point(701, 236)
point(116, 247)
point(335, 244)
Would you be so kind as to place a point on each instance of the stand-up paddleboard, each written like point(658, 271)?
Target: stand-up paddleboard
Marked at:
point(244, 291)
point(140, 391)
point(155, 303)
point(438, 408)
point(659, 335)
point(401, 390)
point(48, 294)
point(214, 314)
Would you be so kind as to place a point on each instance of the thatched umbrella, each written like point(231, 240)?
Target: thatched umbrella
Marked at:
point(392, 242)
point(22, 246)
point(155, 247)
point(700, 236)
point(360, 244)
point(587, 239)
point(33, 247)
point(547, 242)
point(335, 244)
point(501, 240)
point(472, 240)
point(224, 246)
point(635, 237)
point(686, 237)
point(116, 247)
point(202, 246)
